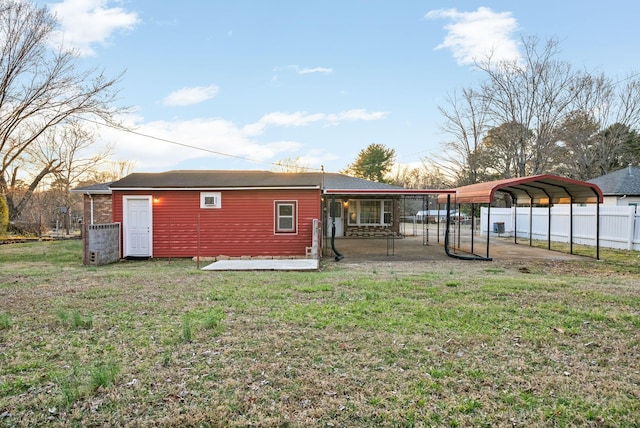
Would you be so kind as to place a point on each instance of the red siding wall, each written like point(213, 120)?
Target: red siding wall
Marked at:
point(244, 226)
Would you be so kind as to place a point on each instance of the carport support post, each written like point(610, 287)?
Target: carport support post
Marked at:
point(488, 226)
point(571, 226)
point(597, 227)
point(473, 224)
point(515, 221)
point(459, 225)
point(549, 226)
point(531, 221)
point(425, 224)
point(438, 221)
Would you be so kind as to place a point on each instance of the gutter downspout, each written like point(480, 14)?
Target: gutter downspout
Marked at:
point(332, 212)
point(91, 206)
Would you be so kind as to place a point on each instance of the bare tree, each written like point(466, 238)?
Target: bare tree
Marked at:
point(535, 93)
point(292, 165)
point(107, 172)
point(40, 89)
point(612, 110)
point(504, 147)
point(466, 122)
point(576, 135)
point(427, 176)
point(73, 148)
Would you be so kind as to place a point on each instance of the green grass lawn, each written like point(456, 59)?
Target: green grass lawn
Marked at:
point(454, 343)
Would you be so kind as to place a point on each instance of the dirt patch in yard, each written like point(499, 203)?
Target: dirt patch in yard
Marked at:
point(415, 248)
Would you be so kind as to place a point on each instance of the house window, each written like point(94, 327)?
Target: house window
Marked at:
point(386, 212)
point(286, 216)
point(210, 200)
point(370, 212)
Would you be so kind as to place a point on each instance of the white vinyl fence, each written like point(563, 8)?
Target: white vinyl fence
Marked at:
point(619, 225)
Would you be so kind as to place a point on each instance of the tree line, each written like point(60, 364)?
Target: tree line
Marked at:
point(539, 115)
point(534, 115)
point(45, 101)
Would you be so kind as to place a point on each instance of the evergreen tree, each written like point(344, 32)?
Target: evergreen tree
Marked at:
point(373, 163)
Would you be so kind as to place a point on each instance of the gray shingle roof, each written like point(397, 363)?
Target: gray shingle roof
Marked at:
point(236, 178)
point(95, 189)
point(340, 181)
point(625, 181)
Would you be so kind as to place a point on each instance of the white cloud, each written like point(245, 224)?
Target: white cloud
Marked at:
point(475, 35)
point(299, 118)
point(316, 157)
point(162, 145)
point(84, 23)
point(305, 70)
point(189, 96)
point(281, 119)
point(357, 114)
point(324, 70)
point(302, 118)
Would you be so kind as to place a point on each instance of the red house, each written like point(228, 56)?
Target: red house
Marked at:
point(245, 213)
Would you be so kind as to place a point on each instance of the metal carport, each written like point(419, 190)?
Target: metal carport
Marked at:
point(532, 190)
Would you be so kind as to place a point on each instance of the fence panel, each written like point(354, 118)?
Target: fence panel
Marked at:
point(636, 234)
point(619, 225)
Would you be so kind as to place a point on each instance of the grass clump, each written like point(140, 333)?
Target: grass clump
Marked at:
point(70, 387)
point(187, 330)
point(5, 321)
point(103, 374)
point(213, 319)
point(74, 319)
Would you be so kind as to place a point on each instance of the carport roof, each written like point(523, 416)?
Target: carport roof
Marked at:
point(538, 189)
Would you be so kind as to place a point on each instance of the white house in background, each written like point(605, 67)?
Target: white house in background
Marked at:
point(431, 216)
point(435, 216)
point(620, 187)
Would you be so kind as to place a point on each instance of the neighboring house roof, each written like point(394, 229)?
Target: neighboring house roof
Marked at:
point(236, 179)
point(540, 188)
point(94, 189)
point(625, 181)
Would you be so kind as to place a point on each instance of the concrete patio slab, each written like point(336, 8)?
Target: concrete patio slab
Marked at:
point(284, 264)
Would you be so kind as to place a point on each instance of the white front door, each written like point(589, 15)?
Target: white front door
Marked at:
point(337, 213)
point(137, 226)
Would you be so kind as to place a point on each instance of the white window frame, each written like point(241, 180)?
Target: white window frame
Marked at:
point(217, 198)
point(354, 206)
point(293, 216)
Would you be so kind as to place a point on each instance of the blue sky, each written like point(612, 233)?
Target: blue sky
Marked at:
point(261, 81)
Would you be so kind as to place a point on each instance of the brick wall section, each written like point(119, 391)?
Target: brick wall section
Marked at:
point(101, 209)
